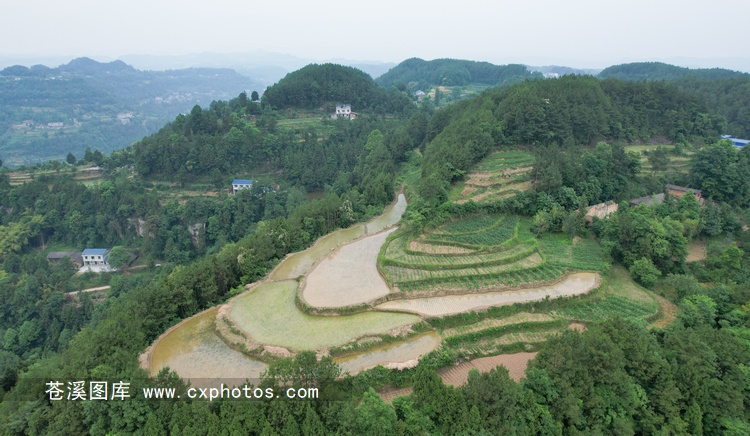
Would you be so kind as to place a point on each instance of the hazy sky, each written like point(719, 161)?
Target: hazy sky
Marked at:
point(581, 33)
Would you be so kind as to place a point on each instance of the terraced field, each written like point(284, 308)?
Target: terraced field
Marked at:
point(269, 315)
point(500, 175)
point(677, 164)
point(484, 253)
point(575, 284)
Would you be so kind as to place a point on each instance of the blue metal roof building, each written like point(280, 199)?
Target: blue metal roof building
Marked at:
point(238, 184)
point(737, 142)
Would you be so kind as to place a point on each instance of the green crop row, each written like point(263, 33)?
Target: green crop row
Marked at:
point(495, 235)
point(474, 224)
point(540, 273)
point(427, 262)
point(610, 307)
point(473, 337)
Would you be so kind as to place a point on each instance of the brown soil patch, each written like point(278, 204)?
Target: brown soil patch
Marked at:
point(468, 190)
point(696, 252)
point(577, 326)
point(458, 375)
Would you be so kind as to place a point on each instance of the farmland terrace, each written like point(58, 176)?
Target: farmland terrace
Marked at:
point(481, 285)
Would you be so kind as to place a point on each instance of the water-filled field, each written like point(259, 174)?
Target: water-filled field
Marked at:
point(268, 315)
point(574, 284)
point(349, 276)
point(196, 353)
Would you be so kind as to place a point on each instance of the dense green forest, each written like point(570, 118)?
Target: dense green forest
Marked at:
point(326, 85)
point(643, 71)
point(567, 112)
point(616, 377)
point(104, 106)
point(421, 74)
point(725, 92)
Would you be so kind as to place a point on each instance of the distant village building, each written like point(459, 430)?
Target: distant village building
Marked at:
point(124, 118)
point(238, 184)
point(55, 125)
point(420, 93)
point(74, 256)
point(601, 210)
point(95, 256)
point(344, 111)
point(737, 142)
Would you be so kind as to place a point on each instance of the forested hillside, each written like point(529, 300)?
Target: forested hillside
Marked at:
point(681, 368)
point(46, 113)
point(326, 85)
point(725, 92)
point(643, 71)
point(572, 110)
point(421, 74)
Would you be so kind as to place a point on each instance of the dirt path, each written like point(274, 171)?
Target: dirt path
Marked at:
point(458, 375)
point(100, 288)
point(668, 312)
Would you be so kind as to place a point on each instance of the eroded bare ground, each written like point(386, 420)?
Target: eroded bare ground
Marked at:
point(458, 375)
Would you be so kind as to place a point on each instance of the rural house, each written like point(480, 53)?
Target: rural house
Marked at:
point(601, 210)
point(679, 191)
point(238, 184)
point(96, 256)
point(344, 111)
point(737, 142)
point(57, 256)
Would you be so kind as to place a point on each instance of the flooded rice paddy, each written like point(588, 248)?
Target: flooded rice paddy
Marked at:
point(399, 353)
point(349, 276)
point(268, 314)
point(574, 284)
point(195, 352)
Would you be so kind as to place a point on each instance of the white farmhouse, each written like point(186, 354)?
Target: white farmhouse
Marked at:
point(95, 256)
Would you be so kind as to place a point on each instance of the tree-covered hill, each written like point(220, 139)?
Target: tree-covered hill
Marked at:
point(103, 106)
point(320, 86)
point(725, 92)
point(642, 71)
point(570, 111)
point(453, 72)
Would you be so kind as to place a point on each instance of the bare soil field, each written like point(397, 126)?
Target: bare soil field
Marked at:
point(459, 375)
point(696, 252)
point(515, 363)
point(349, 276)
point(574, 284)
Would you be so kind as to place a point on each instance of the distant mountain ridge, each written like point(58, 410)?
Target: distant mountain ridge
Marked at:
point(641, 71)
point(47, 112)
